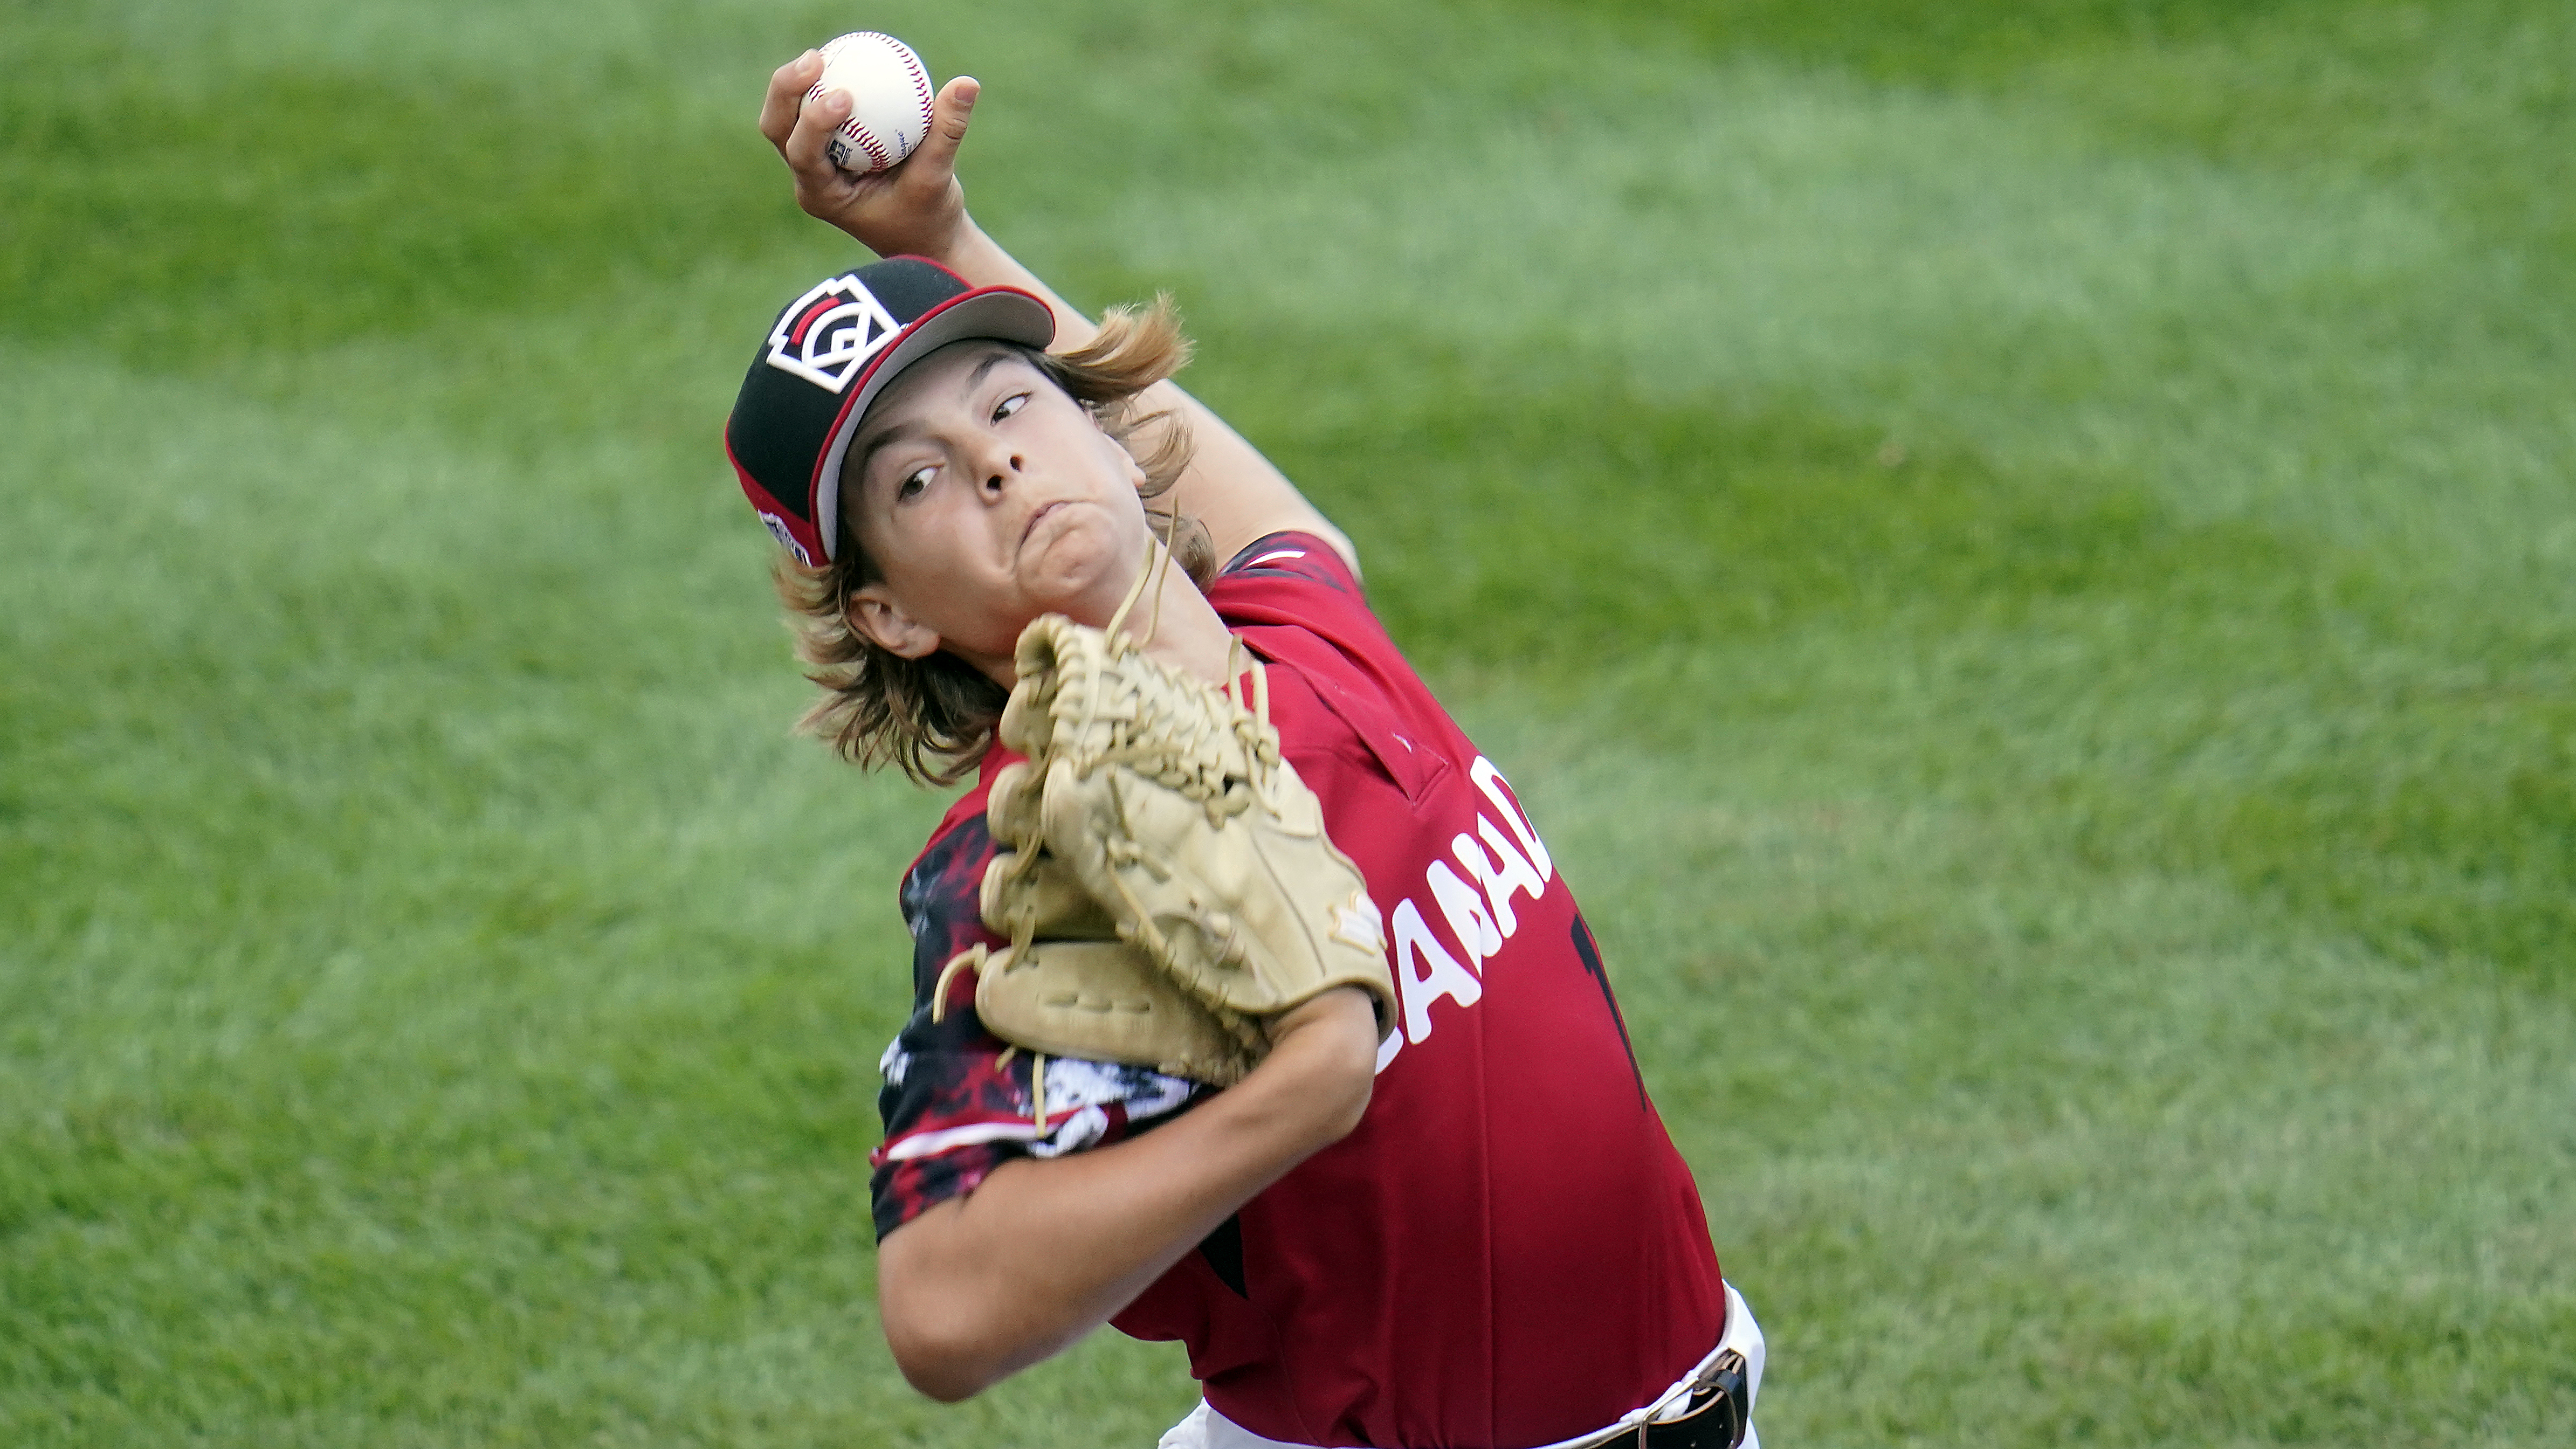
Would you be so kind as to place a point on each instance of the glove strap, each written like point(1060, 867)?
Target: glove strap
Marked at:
point(1158, 565)
point(1259, 695)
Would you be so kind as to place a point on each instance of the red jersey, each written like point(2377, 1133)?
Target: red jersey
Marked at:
point(1508, 1250)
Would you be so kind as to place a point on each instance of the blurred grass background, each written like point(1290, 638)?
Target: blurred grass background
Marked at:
point(2020, 553)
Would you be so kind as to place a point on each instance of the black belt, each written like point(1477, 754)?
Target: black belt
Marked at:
point(1718, 1414)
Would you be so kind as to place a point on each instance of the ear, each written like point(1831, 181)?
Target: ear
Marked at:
point(881, 620)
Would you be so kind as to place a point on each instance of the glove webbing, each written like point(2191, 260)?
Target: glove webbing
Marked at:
point(1178, 763)
point(1177, 755)
point(1205, 783)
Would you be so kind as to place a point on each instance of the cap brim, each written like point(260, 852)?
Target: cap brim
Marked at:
point(1001, 314)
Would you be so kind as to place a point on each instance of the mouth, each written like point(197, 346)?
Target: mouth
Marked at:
point(1040, 516)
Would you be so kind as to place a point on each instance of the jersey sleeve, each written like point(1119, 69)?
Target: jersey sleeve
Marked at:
point(1295, 583)
point(1293, 599)
point(957, 1101)
point(1279, 570)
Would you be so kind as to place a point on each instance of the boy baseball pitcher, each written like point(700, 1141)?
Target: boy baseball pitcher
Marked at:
point(1249, 1008)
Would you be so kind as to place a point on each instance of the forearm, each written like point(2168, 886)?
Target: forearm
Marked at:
point(975, 256)
point(1046, 1250)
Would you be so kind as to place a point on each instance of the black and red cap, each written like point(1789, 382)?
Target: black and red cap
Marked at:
point(826, 358)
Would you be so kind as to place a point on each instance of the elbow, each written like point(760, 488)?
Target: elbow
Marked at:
point(955, 1323)
point(947, 1382)
point(940, 1362)
point(952, 1335)
point(929, 1317)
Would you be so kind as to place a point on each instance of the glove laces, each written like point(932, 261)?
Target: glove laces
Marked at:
point(1168, 729)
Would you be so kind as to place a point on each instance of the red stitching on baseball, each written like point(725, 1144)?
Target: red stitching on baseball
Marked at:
point(876, 152)
point(920, 85)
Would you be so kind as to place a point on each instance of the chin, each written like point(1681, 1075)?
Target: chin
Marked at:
point(1082, 573)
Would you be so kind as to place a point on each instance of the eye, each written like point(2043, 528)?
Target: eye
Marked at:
point(911, 484)
point(1009, 405)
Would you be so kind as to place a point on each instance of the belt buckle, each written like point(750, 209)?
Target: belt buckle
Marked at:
point(1720, 1392)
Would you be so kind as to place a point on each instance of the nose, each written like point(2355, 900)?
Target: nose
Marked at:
point(1000, 472)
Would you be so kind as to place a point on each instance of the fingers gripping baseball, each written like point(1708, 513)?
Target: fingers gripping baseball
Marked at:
point(916, 207)
point(798, 128)
point(786, 96)
point(808, 141)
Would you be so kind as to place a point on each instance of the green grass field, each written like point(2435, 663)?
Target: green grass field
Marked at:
point(2024, 556)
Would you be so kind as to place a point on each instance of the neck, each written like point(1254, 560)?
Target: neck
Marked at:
point(1189, 635)
point(1179, 627)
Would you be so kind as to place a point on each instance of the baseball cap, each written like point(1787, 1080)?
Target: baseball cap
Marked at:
point(828, 355)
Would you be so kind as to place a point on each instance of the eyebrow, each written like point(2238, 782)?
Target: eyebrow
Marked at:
point(867, 450)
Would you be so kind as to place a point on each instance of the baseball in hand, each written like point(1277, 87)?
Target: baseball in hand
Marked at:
point(889, 100)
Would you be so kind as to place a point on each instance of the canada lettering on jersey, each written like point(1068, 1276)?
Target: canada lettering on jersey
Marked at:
point(1475, 901)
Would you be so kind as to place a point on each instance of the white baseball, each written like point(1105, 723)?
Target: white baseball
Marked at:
point(889, 100)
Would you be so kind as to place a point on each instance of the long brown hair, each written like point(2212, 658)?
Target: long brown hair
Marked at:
point(932, 717)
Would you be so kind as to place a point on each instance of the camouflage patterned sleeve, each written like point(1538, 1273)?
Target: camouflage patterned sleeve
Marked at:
point(959, 1102)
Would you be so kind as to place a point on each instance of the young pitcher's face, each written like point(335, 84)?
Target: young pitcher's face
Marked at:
point(986, 497)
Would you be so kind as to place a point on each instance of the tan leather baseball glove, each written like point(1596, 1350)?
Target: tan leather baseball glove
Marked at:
point(1167, 883)
point(1067, 986)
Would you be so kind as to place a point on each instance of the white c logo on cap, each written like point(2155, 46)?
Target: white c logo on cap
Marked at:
point(826, 335)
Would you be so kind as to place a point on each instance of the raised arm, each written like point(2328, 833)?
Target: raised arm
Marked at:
point(919, 209)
